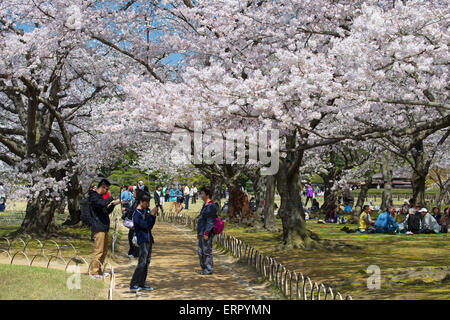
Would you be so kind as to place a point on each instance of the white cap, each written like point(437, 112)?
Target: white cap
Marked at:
point(423, 210)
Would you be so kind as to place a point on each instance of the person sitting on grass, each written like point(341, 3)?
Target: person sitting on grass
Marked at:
point(315, 205)
point(365, 220)
point(428, 223)
point(436, 213)
point(385, 222)
point(331, 215)
point(143, 221)
point(445, 221)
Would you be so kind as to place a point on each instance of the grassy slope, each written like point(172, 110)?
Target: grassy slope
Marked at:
point(35, 283)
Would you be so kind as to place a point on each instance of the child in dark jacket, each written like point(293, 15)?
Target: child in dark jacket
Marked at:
point(143, 221)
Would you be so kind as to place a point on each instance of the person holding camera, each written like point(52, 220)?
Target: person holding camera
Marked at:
point(101, 209)
point(143, 221)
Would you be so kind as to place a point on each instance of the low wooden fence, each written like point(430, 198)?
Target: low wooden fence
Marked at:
point(48, 254)
point(293, 285)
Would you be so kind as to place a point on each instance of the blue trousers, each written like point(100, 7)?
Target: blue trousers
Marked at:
point(205, 254)
point(186, 202)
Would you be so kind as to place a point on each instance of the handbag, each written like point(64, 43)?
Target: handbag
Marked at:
point(127, 223)
point(134, 241)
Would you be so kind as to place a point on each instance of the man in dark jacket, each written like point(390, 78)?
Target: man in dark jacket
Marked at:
point(101, 209)
point(157, 196)
point(205, 224)
point(143, 220)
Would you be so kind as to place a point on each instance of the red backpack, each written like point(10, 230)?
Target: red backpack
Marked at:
point(218, 226)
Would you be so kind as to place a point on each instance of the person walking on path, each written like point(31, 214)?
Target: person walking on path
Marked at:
point(172, 200)
point(191, 194)
point(143, 220)
point(208, 215)
point(127, 198)
point(166, 194)
point(159, 200)
point(179, 202)
point(309, 194)
point(101, 209)
point(187, 193)
point(194, 194)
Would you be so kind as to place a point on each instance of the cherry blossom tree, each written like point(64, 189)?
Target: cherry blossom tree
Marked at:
point(51, 80)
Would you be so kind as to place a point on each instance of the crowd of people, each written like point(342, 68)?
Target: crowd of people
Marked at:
point(139, 219)
point(411, 218)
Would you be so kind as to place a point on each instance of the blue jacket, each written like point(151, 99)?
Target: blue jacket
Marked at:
point(179, 193)
point(208, 215)
point(172, 194)
point(127, 196)
point(386, 222)
point(143, 224)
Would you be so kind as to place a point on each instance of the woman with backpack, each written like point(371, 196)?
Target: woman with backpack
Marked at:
point(205, 226)
point(143, 221)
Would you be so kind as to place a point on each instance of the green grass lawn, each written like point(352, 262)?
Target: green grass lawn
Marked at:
point(346, 270)
point(35, 283)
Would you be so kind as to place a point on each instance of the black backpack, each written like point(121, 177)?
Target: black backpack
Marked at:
point(413, 223)
point(86, 212)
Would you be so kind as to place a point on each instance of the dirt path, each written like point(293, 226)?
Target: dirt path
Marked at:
point(172, 271)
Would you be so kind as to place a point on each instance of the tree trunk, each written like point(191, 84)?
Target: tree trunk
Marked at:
point(216, 188)
point(418, 186)
point(330, 197)
point(386, 168)
point(361, 199)
point(259, 187)
point(269, 217)
point(39, 216)
point(419, 174)
point(295, 234)
point(74, 197)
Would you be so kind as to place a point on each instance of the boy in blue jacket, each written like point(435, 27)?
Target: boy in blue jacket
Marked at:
point(205, 225)
point(143, 221)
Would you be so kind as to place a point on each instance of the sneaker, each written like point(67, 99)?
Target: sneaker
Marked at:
point(199, 271)
point(204, 272)
point(135, 289)
point(409, 232)
point(147, 288)
point(105, 274)
point(96, 276)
